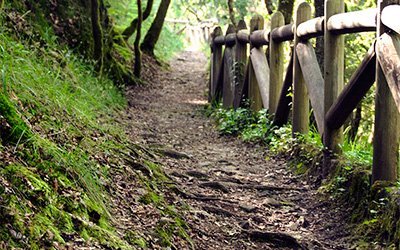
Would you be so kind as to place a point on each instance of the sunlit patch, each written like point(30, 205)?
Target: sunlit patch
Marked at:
point(196, 102)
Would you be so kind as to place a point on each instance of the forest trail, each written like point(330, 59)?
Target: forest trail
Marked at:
point(237, 197)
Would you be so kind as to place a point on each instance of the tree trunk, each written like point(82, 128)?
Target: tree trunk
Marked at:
point(138, 55)
point(128, 32)
point(97, 35)
point(154, 32)
point(269, 6)
point(319, 48)
point(286, 7)
point(231, 13)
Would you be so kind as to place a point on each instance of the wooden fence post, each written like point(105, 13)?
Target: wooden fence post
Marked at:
point(256, 23)
point(300, 98)
point(276, 59)
point(228, 82)
point(216, 62)
point(240, 66)
point(334, 77)
point(386, 132)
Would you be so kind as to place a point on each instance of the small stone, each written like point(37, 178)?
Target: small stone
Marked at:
point(248, 208)
point(245, 224)
point(271, 202)
point(205, 164)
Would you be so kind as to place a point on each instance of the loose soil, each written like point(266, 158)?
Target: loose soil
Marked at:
point(235, 195)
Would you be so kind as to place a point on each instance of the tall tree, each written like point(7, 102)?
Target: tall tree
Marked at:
point(138, 54)
point(128, 32)
point(97, 35)
point(269, 6)
point(231, 13)
point(154, 32)
point(286, 7)
point(319, 48)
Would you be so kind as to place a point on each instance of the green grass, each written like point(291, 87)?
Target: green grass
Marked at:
point(62, 130)
point(52, 180)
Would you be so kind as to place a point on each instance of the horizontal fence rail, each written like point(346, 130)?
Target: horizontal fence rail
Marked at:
point(241, 69)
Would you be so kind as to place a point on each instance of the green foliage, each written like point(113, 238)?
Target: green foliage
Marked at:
point(261, 131)
point(232, 122)
point(193, 10)
point(123, 12)
point(356, 46)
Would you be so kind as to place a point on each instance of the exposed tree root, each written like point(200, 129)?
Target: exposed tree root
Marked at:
point(270, 187)
point(172, 153)
point(215, 185)
point(219, 211)
point(197, 174)
point(277, 239)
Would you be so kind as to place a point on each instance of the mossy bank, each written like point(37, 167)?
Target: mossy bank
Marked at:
point(62, 140)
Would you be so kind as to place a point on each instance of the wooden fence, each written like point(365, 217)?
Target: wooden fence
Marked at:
point(260, 77)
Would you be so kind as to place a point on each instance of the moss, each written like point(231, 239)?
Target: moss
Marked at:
point(151, 198)
point(134, 239)
point(17, 130)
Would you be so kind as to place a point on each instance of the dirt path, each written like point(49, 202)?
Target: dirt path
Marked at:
point(236, 198)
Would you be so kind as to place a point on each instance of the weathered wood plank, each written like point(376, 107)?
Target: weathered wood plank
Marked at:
point(240, 66)
point(276, 60)
point(390, 17)
point(259, 38)
point(261, 70)
point(282, 111)
point(219, 40)
point(284, 33)
point(311, 28)
point(387, 119)
point(228, 83)
point(353, 22)
point(243, 36)
point(230, 40)
point(388, 50)
point(301, 104)
point(220, 80)
point(334, 79)
point(359, 84)
point(314, 81)
point(216, 64)
point(240, 97)
point(229, 73)
point(256, 23)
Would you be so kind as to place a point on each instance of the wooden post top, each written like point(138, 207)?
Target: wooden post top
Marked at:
point(256, 23)
point(241, 25)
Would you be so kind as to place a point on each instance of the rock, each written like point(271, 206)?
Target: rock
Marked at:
point(205, 164)
point(245, 224)
point(248, 208)
point(271, 202)
point(293, 226)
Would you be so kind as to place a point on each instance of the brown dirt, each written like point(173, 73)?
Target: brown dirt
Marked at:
point(236, 196)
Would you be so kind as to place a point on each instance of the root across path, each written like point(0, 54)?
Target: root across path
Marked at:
point(236, 197)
